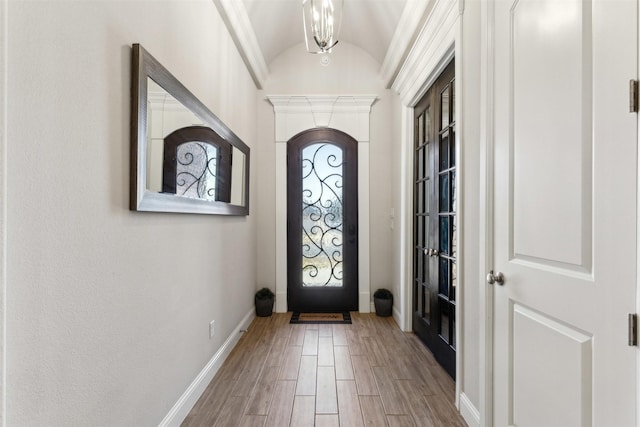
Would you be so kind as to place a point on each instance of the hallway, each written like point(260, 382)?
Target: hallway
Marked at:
point(367, 373)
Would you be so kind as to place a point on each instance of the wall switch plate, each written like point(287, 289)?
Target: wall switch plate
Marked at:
point(212, 328)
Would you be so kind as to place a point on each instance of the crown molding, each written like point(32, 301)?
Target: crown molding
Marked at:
point(236, 19)
point(348, 113)
point(411, 21)
point(321, 103)
point(432, 50)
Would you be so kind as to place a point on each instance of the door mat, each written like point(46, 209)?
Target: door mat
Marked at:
point(315, 318)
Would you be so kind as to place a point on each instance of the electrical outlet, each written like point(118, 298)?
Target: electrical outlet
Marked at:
point(212, 328)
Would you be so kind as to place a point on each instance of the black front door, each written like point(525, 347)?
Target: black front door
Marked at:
point(435, 235)
point(322, 214)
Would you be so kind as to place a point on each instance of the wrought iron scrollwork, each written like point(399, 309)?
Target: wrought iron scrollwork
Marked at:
point(197, 164)
point(322, 215)
point(196, 170)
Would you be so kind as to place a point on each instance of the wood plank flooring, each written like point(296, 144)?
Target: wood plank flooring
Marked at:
point(369, 373)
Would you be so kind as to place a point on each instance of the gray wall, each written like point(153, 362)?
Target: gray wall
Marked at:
point(108, 310)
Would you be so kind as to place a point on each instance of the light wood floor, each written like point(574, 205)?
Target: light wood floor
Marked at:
point(367, 373)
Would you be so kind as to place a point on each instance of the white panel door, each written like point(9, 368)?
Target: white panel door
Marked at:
point(564, 212)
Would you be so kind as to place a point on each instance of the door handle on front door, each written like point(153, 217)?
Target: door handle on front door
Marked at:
point(497, 278)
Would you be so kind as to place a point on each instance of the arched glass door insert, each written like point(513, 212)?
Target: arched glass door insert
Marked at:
point(322, 222)
point(197, 164)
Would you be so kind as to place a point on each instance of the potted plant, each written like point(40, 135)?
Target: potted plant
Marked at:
point(383, 300)
point(264, 302)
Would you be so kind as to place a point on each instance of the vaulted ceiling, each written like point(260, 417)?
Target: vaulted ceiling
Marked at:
point(263, 29)
point(369, 24)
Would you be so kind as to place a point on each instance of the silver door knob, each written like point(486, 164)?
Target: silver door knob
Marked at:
point(433, 252)
point(495, 278)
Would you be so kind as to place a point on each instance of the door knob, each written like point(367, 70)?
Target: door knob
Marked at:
point(497, 278)
point(433, 252)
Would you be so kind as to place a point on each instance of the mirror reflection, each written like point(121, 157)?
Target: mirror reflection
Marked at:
point(183, 157)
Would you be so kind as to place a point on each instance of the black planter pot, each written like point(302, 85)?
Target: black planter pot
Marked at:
point(383, 306)
point(264, 307)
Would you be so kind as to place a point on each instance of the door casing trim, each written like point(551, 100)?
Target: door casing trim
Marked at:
point(4, 37)
point(438, 43)
point(349, 114)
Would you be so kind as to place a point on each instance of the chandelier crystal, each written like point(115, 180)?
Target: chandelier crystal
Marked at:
point(322, 20)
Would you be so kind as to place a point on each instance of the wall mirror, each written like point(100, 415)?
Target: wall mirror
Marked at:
point(183, 157)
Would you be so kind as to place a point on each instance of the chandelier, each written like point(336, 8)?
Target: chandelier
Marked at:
point(322, 20)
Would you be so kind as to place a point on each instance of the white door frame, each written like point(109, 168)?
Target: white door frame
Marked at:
point(485, 251)
point(431, 53)
point(350, 114)
point(4, 63)
point(437, 44)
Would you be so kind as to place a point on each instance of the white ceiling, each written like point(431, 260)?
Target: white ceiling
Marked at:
point(263, 29)
point(369, 24)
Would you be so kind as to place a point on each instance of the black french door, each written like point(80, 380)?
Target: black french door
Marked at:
point(434, 225)
point(322, 215)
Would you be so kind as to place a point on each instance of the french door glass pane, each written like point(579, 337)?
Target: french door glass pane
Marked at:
point(426, 304)
point(444, 108)
point(444, 234)
point(444, 320)
point(444, 151)
point(454, 280)
point(453, 191)
point(444, 192)
point(443, 274)
point(427, 243)
point(453, 327)
point(322, 217)
point(452, 147)
point(427, 125)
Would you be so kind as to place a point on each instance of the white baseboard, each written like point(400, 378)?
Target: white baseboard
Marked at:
point(469, 412)
point(183, 406)
point(398, 318)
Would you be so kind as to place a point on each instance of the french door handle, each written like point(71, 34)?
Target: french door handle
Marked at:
point(431, 252)
point(497, 278)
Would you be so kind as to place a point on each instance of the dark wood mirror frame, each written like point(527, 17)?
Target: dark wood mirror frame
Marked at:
point(145, 67)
